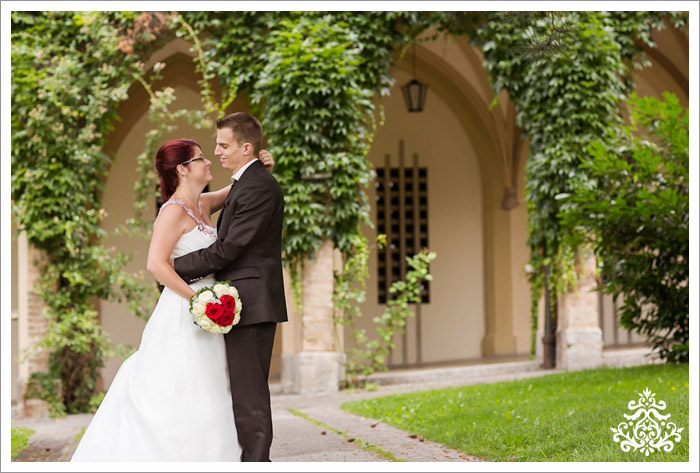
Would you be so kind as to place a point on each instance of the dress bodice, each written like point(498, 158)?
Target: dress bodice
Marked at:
point(192, 241)
point(199, 237)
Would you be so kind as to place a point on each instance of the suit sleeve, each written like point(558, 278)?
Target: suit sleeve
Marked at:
point(254, 210)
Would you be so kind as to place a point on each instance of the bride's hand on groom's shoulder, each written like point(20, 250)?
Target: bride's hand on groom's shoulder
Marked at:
point(266, 158)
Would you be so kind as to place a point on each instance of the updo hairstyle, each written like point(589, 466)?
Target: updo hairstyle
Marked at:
point(168, 158)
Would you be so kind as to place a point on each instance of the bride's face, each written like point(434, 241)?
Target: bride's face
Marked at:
point(199, 169)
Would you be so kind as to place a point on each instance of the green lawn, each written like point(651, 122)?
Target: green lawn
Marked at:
point(20, 440)
point(558, 417)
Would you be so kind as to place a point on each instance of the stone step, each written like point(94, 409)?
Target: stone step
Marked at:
point(470, 371)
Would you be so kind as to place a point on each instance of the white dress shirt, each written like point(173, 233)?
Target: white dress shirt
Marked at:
point(240, 172)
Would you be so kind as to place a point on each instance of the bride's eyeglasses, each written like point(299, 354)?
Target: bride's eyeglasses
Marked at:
point(201, 158)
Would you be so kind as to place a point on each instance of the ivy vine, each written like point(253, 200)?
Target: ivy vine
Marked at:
point(69, 74)
point(365, 355)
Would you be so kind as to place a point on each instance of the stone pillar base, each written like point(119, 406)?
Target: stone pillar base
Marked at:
point(312, 372)
point(35, 409)
point(579, 348)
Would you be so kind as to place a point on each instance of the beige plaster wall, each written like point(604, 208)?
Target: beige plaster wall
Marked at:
point(520, 255)
point(670, 67)
point(655, 81)
point(453, 322)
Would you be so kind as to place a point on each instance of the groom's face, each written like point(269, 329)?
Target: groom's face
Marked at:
point(231, 154)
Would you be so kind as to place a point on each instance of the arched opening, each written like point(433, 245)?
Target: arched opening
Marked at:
point(457, 141)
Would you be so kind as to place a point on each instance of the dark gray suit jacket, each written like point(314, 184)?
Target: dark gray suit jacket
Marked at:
point(248, 249)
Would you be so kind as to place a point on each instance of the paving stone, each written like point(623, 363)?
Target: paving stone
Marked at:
point(387, 437)
point(307, 444)
point(54, 440)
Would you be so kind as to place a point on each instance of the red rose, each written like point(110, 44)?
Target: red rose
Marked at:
point(229, 303)
point(214, 311)
point(226, 319)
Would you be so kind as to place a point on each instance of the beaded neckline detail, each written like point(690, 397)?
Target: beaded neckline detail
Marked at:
point(201, 226)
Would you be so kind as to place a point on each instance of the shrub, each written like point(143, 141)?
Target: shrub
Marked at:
point(635, 213)
point(47, 388)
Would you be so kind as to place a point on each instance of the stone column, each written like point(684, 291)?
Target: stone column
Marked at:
point(32, 324)
point(539, 346)
point(498, 336)
point(579, 337)
point(317, 368)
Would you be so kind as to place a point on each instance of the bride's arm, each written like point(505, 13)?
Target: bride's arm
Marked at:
point(213, 201)
point(164, 239)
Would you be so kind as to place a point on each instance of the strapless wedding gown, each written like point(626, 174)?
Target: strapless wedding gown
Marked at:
point(171, 399)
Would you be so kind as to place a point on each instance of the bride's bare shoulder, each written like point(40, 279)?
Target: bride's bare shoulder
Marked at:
point(171, 217)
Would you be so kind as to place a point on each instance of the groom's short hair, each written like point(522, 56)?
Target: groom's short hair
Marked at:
point(246, 128)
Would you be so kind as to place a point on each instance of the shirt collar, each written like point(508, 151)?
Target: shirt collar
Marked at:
point(240, 172)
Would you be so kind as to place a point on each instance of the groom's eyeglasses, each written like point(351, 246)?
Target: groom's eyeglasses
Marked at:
point(201, 158)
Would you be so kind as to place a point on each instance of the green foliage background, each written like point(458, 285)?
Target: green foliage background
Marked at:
point(68, 77)
point(312, 77)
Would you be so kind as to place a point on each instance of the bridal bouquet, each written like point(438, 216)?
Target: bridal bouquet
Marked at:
point(217, 308)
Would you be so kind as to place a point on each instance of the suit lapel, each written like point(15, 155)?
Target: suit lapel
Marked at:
point(230, 198)
point(247, 173)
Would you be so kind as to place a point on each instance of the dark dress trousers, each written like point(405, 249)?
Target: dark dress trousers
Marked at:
point(248, 252)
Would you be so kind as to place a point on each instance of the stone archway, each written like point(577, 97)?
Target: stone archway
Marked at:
point(495, 151)
point(499, 152)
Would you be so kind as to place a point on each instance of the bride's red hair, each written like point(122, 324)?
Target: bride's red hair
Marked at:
point(168, 158)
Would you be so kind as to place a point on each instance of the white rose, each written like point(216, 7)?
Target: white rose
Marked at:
point(217, 329)
point(205, 296)
point(232, 291)
point(199, 307)
point(220, 289)
point(205, 322)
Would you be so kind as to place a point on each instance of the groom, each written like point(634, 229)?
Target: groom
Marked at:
point(248, 252)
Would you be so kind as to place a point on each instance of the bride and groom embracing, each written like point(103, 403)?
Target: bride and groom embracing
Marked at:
point(188, 394)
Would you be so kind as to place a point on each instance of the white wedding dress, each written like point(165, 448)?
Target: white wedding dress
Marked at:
point(171, 399)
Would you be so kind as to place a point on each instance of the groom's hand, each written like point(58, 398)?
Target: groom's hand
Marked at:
point(266, 158)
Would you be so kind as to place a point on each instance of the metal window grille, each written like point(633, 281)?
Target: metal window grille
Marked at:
point(402, 214)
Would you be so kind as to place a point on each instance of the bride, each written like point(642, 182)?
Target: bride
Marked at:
point(171, 399)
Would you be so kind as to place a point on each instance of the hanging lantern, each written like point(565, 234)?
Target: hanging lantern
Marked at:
point(415, 91)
